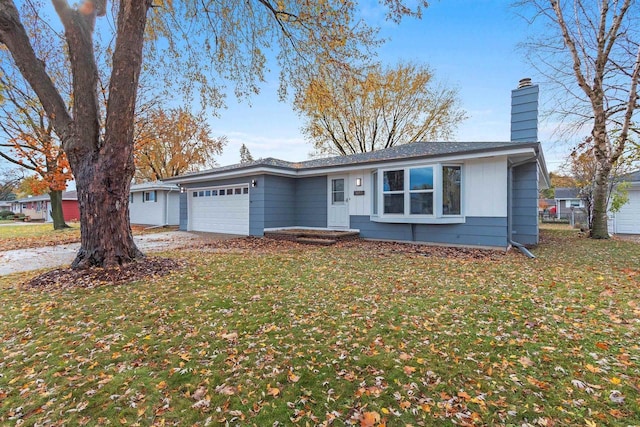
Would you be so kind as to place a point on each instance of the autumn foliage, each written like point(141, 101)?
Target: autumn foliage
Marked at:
point(350, 111)
point(170, 143)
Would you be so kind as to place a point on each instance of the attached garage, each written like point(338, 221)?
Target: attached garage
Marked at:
point(223, 209)
point(627, 220)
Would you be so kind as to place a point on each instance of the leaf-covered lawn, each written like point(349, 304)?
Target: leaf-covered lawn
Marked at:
point(36, 235)
point(355, 335)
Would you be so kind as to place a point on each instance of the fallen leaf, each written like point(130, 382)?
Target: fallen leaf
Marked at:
point(369, 419)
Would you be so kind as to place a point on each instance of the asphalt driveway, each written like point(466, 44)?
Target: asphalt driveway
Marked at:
point(19, 260)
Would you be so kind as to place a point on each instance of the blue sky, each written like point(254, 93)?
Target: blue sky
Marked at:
point(470, 45)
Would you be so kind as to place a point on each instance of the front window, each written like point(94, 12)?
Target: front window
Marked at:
point(393, 191)
point(424, 192)
point(421, 191)
point(374, 193)
point(451, 177)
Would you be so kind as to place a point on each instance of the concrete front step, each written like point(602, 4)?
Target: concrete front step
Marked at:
point(316, 241)
point(313, 237)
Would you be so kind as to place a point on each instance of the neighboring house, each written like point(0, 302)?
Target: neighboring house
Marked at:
point(627, 219)
point(39, 207)
point(5, 205)
point(454, 193)
point(154, 203)
point(568, 200)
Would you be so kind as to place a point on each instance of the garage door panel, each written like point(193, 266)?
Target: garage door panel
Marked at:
point(216, 213)
point(627, 220)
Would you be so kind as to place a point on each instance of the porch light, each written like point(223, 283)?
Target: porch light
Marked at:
point(358, 182)
point(182, 190)
point(254, 183)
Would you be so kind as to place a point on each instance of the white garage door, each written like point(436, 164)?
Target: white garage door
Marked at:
point(220, 209)
point(627, 220)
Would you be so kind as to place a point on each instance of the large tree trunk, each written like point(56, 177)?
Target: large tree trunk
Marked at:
point(102, 165)
point(55, 196)
point(103, 197)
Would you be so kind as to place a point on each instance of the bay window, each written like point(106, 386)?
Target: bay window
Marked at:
point(417, 194)
point(393, 190)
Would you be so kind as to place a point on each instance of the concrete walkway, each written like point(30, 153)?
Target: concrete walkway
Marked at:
point(19, 260)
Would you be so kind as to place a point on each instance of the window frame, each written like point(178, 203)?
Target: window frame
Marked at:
point(146, 196)
point(438, 216)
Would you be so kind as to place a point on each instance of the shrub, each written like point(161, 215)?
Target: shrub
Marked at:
point(6, 215)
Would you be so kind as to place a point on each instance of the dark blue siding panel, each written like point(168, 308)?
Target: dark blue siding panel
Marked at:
point(524, 114)
point(311, 202)
point(524, 208)
point(476, 231)
point(279, 202)
point(184, 219)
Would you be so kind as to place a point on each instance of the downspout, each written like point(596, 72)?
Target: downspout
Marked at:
point(166, 208)
point(513, 243)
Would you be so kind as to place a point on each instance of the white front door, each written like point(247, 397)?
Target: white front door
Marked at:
point(338, 215)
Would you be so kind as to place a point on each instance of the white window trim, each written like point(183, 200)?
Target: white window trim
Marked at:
point(155, 196)
point(437, 217)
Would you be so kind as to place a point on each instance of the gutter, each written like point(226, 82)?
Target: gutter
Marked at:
point(521, 248)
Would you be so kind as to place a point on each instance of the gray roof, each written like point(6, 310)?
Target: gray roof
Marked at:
point(66, 195)
point(406, 151)
point(632, 176)
point(567, 193)
point(152, 185)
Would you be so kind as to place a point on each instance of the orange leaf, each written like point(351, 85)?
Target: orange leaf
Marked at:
point(409, 370)
point(293, 377)
point(273, 391)
point(464, 395)
point(369, 419)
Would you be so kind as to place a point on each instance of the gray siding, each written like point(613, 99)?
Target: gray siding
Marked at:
point(524, 204)
point(184, 220)
point(476, 231)
point(311, 202)
point(524, 114)
point(279, 202)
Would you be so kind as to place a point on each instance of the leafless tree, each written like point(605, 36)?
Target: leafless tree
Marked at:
point(590, 51)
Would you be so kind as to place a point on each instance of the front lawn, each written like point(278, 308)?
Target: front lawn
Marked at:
point(36, 235)
point(357, 334)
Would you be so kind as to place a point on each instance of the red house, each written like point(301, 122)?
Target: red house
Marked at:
point(39, 207)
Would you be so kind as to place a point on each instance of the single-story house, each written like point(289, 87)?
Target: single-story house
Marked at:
point(627, 219)
point(39, 207)
point(5, 205)
point(154, 203)
point(568, 200)
point(482, 194)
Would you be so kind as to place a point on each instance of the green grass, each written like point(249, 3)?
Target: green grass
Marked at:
point(354, 335)
point(36, 235)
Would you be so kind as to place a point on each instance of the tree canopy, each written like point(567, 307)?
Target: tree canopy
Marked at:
point(170, 143)
point(194, 47)
point(349, 111)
